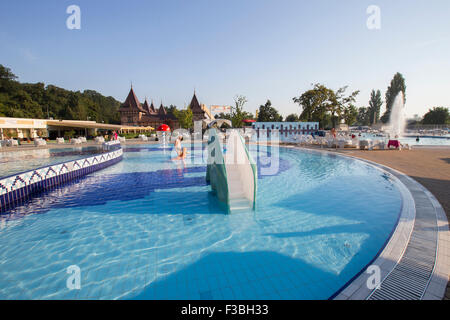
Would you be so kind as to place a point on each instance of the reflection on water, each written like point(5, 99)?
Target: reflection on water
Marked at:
point(24, 160)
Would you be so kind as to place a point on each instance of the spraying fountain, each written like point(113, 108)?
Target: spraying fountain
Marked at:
point(397, 120)
point(163, 133)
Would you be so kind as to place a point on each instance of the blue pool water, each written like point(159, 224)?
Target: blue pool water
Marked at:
point(149, 228)
point(24, 160)
point(411, 140)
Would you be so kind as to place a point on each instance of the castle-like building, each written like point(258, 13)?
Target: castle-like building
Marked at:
point(133, 113)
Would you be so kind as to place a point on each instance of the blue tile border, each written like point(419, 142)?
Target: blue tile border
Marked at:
point(14, 190)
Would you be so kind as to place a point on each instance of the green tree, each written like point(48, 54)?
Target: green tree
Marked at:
point(226, 116)
point(339, 103)
point(363, 117)
point(375, 104)
point(184, 117)
point(397, 85)
point(350, 114)
point(237, 112)
point(323, 105)
point(267, 113)
point(6, 74)
point(437, 115)
point(315, 104)
point(292, 118)
point(40, 101)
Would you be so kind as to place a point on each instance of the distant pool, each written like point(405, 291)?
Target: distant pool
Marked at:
point(24, 160)
point(423, 141)
point(148, 228)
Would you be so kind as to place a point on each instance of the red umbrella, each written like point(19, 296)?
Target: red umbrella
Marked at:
point(163, 127)
point(248, 121)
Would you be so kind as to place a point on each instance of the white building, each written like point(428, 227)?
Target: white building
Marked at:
point(286, 130)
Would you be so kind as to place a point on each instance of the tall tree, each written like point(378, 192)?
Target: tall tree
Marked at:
point(339, 103)
point(375, 104)
point(437, 115)
point(267, 113)
point(237, 112)
point(350, 114)
point(363, 118)
point(397, 85)
point(6, 74)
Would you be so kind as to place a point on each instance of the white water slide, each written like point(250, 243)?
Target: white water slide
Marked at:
point(233, 176)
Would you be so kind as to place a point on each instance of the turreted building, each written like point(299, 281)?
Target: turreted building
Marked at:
point(133, 113)
point(199, 112)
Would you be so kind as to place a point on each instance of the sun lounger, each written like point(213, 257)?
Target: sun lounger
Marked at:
point(12, 143)
point(75, 141)
point(143, 137)
point(39, 142)
point(99, 139)
point(60, 140)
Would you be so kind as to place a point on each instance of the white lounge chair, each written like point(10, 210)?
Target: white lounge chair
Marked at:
point(75, 141)
point(99, 139)
point(40, 142)
point(12, 143)
point(143, 137)
point(60, 140)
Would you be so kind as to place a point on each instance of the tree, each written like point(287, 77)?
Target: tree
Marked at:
point(363, 118)
point(226, 116)
point(184, 117)
point(375, 104)
point(322, 104)
point(267, 113)
point(292, 118)
point(237, 112)
point(350, 114)
point(6, 74)
point(340, 102)
point(437, 115)
point(314, 103)
point(397, 85)
point(36, 100)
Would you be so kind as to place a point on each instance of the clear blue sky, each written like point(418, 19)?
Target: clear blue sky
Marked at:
point(261, 49)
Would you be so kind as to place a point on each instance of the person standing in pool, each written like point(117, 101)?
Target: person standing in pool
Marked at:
point(179, 150)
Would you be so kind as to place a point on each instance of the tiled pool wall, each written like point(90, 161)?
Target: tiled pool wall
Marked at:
point(17, 188)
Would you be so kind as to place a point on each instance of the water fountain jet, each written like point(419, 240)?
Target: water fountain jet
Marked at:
point(397, 119)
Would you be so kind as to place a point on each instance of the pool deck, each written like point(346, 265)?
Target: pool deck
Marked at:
point(415, 264)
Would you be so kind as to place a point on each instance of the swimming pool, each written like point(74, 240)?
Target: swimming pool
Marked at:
point(24, 160)
point(148, 228)
point(423, 141)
